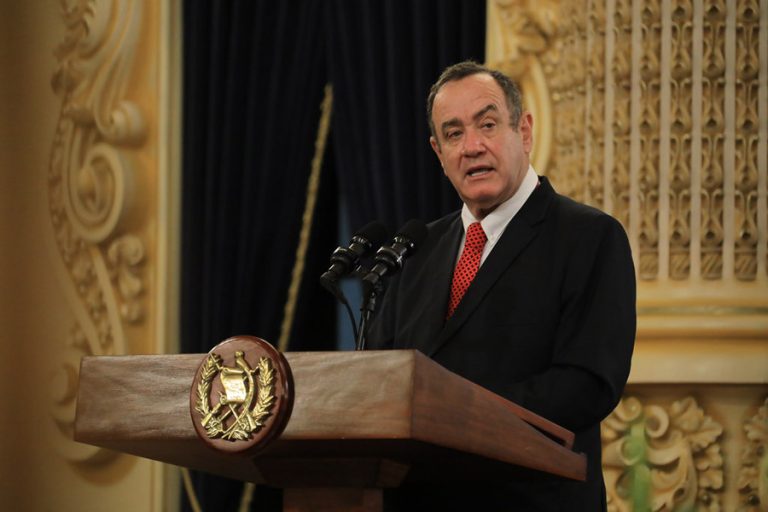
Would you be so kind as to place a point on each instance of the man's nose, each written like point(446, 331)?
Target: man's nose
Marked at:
point(473, 144)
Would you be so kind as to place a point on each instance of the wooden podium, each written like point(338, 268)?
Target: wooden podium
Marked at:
point(361, 422)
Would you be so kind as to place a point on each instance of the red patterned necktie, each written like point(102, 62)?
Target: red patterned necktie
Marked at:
point(466, 268)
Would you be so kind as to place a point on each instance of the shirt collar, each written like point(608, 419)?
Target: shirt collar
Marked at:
point(495, 222)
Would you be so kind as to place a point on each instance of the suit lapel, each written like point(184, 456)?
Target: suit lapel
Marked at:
point(520, 231)
point(435, 278)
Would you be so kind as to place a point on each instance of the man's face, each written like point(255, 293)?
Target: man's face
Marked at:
point(483, 156)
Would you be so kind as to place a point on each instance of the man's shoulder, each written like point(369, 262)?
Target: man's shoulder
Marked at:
point(445, 222)
point(583, 216)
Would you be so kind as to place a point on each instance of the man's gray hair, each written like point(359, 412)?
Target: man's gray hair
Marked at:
point(469, 68)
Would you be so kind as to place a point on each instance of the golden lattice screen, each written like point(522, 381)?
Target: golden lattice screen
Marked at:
point(653, 111)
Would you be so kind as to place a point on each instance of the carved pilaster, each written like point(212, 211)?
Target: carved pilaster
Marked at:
point(747, 123)
point(94, 179)
point(650, 94)
point(681, 128)
point(622, 77)
point(596, 32)
point(713, 126)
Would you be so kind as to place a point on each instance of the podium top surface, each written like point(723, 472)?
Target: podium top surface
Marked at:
point(376, 418)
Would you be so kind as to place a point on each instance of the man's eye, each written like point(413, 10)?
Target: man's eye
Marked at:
point(453, 135)
point(489, 124)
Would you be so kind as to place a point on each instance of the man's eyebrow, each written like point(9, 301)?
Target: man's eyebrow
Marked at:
point(456, 122)
point(488, 108)
point(450, 123)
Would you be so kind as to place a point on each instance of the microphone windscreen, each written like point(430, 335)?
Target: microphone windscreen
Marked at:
point(375, 232)
point(414, 230)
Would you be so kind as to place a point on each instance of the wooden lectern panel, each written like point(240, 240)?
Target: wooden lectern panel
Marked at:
point(360, 419)
point(331, 500)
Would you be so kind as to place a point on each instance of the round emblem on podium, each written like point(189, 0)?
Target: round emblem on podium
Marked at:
point(242, 395)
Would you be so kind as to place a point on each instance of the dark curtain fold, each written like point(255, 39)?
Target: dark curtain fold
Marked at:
point(254, 72)
point(383, 57)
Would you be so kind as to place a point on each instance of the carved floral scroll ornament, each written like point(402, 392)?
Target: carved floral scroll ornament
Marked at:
point(662, 459)
point(92, 184)
point(753, 474)
point(529, 26)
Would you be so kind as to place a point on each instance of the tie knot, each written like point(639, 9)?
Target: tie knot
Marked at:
point(475, 236)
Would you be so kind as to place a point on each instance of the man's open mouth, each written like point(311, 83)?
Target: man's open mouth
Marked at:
point(479, 171)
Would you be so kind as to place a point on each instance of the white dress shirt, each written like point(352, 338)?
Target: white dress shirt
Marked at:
point(496, 222)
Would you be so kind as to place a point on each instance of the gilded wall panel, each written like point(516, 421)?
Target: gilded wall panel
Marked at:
point(674, 117)
point(110, 181)
point(660, 109)
point(93, 177)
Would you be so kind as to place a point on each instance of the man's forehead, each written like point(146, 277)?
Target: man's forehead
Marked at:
point(470, 95)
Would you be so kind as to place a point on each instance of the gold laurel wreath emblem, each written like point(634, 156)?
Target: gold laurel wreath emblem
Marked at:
point(248, 418)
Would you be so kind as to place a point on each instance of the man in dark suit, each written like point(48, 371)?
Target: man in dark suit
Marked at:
point(523, 291)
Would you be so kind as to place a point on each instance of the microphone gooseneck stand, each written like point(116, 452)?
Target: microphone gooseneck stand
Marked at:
point(387, 261)
point(371, 291)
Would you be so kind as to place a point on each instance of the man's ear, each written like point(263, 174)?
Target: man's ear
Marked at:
point(525, 129)
point(436, 148)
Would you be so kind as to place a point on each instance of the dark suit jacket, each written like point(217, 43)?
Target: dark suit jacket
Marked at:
point(548, 323)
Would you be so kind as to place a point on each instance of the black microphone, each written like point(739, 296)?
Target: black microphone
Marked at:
point(389, 258)
point(388, 261)
point(345, 259)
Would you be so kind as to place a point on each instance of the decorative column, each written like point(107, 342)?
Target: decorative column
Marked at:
point(113, 185)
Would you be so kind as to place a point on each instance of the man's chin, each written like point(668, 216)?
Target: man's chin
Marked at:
point(483, 198)
point(480, 207)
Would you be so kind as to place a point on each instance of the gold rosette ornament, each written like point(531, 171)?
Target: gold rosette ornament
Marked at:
point(242, 395)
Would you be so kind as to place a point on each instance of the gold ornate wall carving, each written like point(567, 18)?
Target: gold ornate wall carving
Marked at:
point(93, 184)
point(747, 68)
point(658, 122)
point(681, 126)
point(753, 471)
point(647, 135)
point(662, 121)
point(522, 35)
point(112, 187)
point(662, 458)
point(713, 140)
point(620, 134)
point(596, 93)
